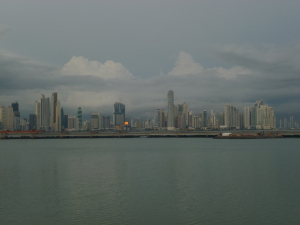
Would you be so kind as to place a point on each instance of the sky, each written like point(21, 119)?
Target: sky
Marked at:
point(95, 53)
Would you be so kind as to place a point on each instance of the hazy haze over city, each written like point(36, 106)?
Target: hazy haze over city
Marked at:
point(95, 53)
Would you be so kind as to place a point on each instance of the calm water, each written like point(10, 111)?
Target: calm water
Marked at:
point(150, 181)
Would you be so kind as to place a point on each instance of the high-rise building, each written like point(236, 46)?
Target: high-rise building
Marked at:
point(221, 119)
point(161, 118)
point(15, 107)
point(42, 111)
point(231, 116)
point(292, 124)
point(227, 115)
point(138, 124)
point(171, 110)
point(247, 124)
point(32, 122)
point(285, 123)
point(95, 121)
point(204, 118)
point(79, 115)
point(106, 122)
point(119, 114)
point(241, 121)
point(55, 117)
point(58, 117)
point(7, 117)
point(62, 115)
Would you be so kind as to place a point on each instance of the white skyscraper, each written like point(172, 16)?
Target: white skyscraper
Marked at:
point(171, 110)
point(247, 124)
point(227, 115)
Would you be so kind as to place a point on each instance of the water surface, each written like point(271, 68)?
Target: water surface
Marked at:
point(150, 181)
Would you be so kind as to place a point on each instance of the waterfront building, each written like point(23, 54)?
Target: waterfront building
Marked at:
point(161, 118)
point(195, 122)
point(171, 110)
point(138, 124)
point(182, 121)
point(185, 111)
point(95, 121)
point(55, 117)
point(247, 124)
point(62, 115)
point(65, 125)
point(7, 117)
point(199, 121)
point(204, 118)
point(106, 122)
point(285, 123)
point(42, 110)
point(16, 123)
point(227, 115)
point(221, 119)
point(190, 119)
point(32, 122)
point(79, 115)
point(118, 114)
point(292, 124)
point(241, 121)
point(58, 117)
point(231, 116)
point(253, 117)
point(176, 113)
point(15, 107)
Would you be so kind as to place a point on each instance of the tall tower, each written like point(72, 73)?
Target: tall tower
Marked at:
point(53, 109)
point(227, 115)
point(119, 114)
point(55, 117)
point(79, 116)
point(45, 112)
point(15, 107)
point(247, 124)
point(170, 110)
point(161, 118)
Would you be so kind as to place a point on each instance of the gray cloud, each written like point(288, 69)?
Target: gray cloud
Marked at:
point(202, 88)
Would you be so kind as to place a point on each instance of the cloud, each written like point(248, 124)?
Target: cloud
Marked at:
point(108, 70)
point(242, 84)
point(185, 65)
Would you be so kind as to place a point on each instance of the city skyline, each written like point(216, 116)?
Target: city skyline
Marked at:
point(132, 52)
point(49, 116)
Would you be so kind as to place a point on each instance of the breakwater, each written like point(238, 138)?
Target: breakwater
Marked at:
point(152, 134)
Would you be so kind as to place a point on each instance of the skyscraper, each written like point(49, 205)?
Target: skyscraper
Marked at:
point(79, 115)
point(32, 121)
point(55, 117)
point(171, 110)
point(43, 113)
point(119, 114)
point(15, 107)
point(227, 115)
point(204, 118)
point(161, 118)
point(7, 117)
point(247, 124)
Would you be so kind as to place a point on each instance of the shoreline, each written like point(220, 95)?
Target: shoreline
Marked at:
point(152, 134)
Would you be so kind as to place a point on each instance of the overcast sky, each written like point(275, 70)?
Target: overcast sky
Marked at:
point(95, 53)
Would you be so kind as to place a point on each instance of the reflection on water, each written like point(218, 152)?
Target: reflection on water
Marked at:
point(149, 181)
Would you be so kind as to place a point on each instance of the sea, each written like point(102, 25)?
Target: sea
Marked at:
point(150, 181)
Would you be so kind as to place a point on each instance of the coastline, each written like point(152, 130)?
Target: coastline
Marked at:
point(152, 134)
